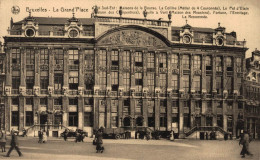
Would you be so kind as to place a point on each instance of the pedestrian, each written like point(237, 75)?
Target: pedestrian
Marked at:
point(172, 135)
point(245, 140)
point(44, 137)
point(77, 136)
point(24, 132)
point(207, 136)
point(147, 135)
point(3, 139)
point(65, 134)
point(40, 135)
point(14, 145)
point(99, 141)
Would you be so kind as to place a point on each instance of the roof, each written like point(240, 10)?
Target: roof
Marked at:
point(196, 29)
point(58, 21)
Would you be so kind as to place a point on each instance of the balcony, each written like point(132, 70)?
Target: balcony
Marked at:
point(88, 92)
point(15, 91)
point(57, 107)
point(73, 67)
point(102, 93)
point(73, 92)
point(138, 94)
point(29, 91)
point(44, 91)
point(113, 93)
point(57, 91)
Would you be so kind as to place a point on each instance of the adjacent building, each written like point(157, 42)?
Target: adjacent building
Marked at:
point(122, 72)
point(2, 82)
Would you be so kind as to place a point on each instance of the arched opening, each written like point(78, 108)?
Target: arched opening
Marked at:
point(139, 121)
point(127, 121)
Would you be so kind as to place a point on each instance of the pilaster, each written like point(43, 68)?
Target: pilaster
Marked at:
point(157, 113)
point(108, 113)
point(37, 68)
point(169, 113)
point(21, 113)
point(81, 68)
point(145, 112)
point(181, 120)
point(65, 105)
point(50, 108)
point(51, 67)
point(66, 69)
point(23, 68)
point(36, 107)
point(8, 103)
point(80, 112)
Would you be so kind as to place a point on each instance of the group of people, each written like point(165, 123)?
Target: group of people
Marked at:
point(42, 134)
point(14, 143)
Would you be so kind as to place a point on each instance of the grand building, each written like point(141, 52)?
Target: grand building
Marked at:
point(122, 72)
point(252, 94)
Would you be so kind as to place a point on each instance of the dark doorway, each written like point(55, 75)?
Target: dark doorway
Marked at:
point(43, 119)
point(209, 121)
point(139, 121)
point(57, 119)
point(127, 121)
point(197, 121)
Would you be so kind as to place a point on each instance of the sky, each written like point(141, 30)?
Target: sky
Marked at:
point(246, 26)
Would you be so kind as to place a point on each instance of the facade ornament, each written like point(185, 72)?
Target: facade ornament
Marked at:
point(120, 90)
point(96, 90)
point(65, 91)
point(204, 93)
point(145, 13)
point(80, 91)
point(50, 90)
point(8, 90)
point(132, 91)
point(22, 90)
point(36, 90)
point(145, 91)
point(181, 93)
point(225, 94)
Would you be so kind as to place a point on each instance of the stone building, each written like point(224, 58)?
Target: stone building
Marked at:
point(122, 72)
point(252, 94)
point(2, 83)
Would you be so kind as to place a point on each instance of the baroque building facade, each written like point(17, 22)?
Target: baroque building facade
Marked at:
point(117, 72)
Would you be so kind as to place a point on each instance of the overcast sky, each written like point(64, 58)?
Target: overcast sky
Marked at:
point(247, 27)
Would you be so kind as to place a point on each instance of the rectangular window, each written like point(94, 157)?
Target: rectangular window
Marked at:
point(196, 62)
point(29, 82)
point(150, 60)
point(29, 118)
point(73, 101)
point(208, 63)
point(163, 82)
point(103, 58)
point(138, 105)
point(114, 121)
point(175, 83)
point(139, 81)
point(103, 80)
point(219, 104)
point(114, 105)
point(229, 84)
point(239, 86)
point(150, 80)
point(150, 104)
point(29, 101)
point(15, 118)
point(114, 81)
point(196, 82)
point(126, 58)
point(44, 56)
point(74, 82)
point(73, 119)
point(229, 64)
point(139, 59)
point(208, 84)
point(15, 101)
point(44, 82)
point(218, 64)
point(73, 57)
point(186, 83)
point(162, 60)
point(29, 57)
point(89, 80)
point(186, 62)
point(88, 101)
point(58, 56)
point(163, 120)
point(58, 81)
point(58, 101)
point(175, 61)
point(220, 120)
point(88, 119)
point(43, 101)
point(15, 82)
point(239, 64)
point(114, 58)
point(219, 86)
point(89, 59)
point(16, 56)
point(151, 121)
point(126, 81)
point(186, 120)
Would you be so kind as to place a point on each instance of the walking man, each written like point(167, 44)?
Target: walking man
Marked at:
point(14, 145)
point(245, 140)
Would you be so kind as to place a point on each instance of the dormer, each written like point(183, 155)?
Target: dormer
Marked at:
point(219, 37)
point(74, 28)
point(30, 26)
point(186, 35)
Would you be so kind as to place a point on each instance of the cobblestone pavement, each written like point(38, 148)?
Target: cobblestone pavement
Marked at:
point(133, 149)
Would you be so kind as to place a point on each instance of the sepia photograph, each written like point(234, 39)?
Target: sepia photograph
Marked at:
point(130, 80)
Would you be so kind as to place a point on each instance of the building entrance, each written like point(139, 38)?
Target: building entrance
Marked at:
point(209, 121)
point(43, 119)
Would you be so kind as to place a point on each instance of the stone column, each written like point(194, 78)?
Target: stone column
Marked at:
point(132, 100)
point(23, 68)
point(203, 117)
point(214, 111)
point(120, 111)
point(181, 120)
point(145, 112)
point(80, 112)
point(169, 113)
point(36, 108)
point(65, 105)
point(157, 85)
point(224, 116)
point(120, 86)
point(81, 67)
point(50, 108)
point(235, 114)
point(8, 81)
point(21, 113)
point(109, 69)
point(192, 110)
point(214, 73)
point(157, 114)
point(37, 68)
point(169, 92)
point(96, 113)
point(51, 67)
point(108, 113)
point(8, 111)
point(66, 69)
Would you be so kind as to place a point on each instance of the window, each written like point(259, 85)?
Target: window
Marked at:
point(29, 57)
point(186, 120)
point(138, 81)
point(229, 84)
point(162, 60)
point(73, 33)
point(196, 62)
point(58, 56)
point(198, 104)
point(29, 101)
point(239, 64)
point(163, 120)
point(73, 57)
point(151, 121)
point(150, 104)
point(103, 58)
point(186, 62)
point(29, 118)
point(219, 85)
point(163, 82)
point(15, 118)
point(103, 80)
point(126, 58)
point(150, 60)
point(208, 84)
point(139, 59)
point(44, 56)
point(175, 84)
point(44, 82)
point(229, 105)
point(29, 82)
point(89, 80)
point(114, 58)
point(240, 105)
point(58, 81)
point(208, 63)
point(219, 64)
point(239, 86)
point(175, 61)
point(15, 101)
point(114, 117)
point(196, 82)
point(138, 105)
point(73, 119)
point(219, 104)
point(89, 59)
point(126, 81)
point(186, 83)
point(58, 101)
point(114, 81)
point(15, 82)
point(88, 101)
point(88, 119)
point(126, 106)
point(43, 101)
point(73, 80)
point(230, 123)
point(150, 80)
point(229, 64)
point(220, 120)
point(30, 32)
point(73, 101)
point(16, 57)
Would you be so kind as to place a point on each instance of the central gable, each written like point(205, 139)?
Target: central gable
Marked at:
point(131, 37)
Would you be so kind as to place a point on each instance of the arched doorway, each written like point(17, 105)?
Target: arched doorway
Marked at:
point(127, 121)
point(139, 121)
